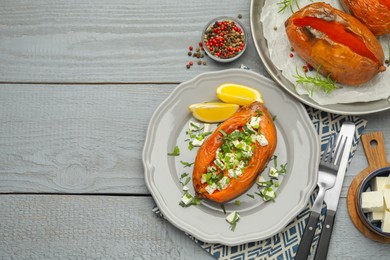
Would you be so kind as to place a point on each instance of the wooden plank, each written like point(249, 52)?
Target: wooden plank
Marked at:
point(89, 227)
point(37, 227)
point(89, 138)
point(109, 41)
point(76, 139)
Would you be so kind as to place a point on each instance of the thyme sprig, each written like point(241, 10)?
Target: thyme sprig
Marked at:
point(284, 4)
point(318, 82)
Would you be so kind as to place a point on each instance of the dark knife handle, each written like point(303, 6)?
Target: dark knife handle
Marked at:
point(307, 238)
point(326, 233)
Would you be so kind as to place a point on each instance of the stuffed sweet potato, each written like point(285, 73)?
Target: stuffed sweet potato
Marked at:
point(375, 14)
point(336, 43)
point(229, 161)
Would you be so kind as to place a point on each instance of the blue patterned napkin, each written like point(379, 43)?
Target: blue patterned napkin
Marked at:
point(285, 244)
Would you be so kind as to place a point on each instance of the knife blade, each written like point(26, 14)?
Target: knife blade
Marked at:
point(332, 195)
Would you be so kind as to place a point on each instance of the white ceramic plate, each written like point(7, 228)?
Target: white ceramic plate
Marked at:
point(298, 145)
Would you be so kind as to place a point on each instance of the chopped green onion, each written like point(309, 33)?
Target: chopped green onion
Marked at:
point(250, 195)
point(186, 164)
point(176, 151)
point(237, 202)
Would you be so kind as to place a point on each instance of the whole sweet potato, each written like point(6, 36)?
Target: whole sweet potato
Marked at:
point(207, 154)
point(336, 43)
point(375, 14)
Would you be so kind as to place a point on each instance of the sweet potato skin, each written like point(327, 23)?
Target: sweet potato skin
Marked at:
point(343, 64)
point(262, 154)
point(372, 13)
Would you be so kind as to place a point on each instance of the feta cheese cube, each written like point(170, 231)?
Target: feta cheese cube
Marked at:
point(269, 194)
point(386, 197)
point(255, 122)
point(273, 173)
point(262, 140)
point(386, 222)
point(203, 179)
point(197, 142)
point(223, 183)
point(379, 183)
point(206, 128)
point(232, 217)
point(186, 199)
point(260, 180)
point(375, 216)
point(372, 201)
point(211, 188)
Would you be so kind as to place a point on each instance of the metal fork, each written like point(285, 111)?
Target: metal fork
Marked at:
point(327, 174)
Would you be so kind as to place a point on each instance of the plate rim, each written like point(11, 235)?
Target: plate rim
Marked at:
point(342, 109)
point(217, 238)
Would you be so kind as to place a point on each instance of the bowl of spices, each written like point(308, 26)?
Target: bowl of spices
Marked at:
point(224, 39)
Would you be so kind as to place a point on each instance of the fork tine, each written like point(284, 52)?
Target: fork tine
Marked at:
point(342, 150)
point(326, 153)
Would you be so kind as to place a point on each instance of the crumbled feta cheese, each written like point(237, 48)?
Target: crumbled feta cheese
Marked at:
point(186, 199)
point(203, 179)
point(238, 171)
point(206, 128)
point(197, 142)
point(262, 140)
point(193, 126)
point(211, 188)
point(260, 179)
point(241, 165)
point(185, 188)
point(211, 169)
point(269, 194)
point(219, 163)
point(231, 173)
point(223, 183)
point(273, 173)
point(232, 217)
point(255, 122)
point(372, 201)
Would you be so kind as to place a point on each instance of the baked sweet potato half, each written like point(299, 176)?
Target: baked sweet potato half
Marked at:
point(229, 161)
point(336, 43)
point(375, 14)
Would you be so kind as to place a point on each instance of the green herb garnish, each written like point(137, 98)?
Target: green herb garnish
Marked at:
point(176, 151)
point(327, 85)
point(223, 208)
point(284, 4)
point(223, 132)
point(183, 175)
point(250, 195)
point(186, 164)
point(237, 202)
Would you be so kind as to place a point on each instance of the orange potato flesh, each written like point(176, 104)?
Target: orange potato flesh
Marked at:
point(261, 155)
point(334, 54)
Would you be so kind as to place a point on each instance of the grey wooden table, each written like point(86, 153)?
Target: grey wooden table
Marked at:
point(79, 81)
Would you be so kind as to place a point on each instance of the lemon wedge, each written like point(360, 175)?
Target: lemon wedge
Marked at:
point(238, 94)
point(213, 112)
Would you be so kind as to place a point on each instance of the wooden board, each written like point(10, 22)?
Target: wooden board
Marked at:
point(75, 138)
point(110, 41)
point(374, 148)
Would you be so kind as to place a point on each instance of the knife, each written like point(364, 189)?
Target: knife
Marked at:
point(333, 194)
